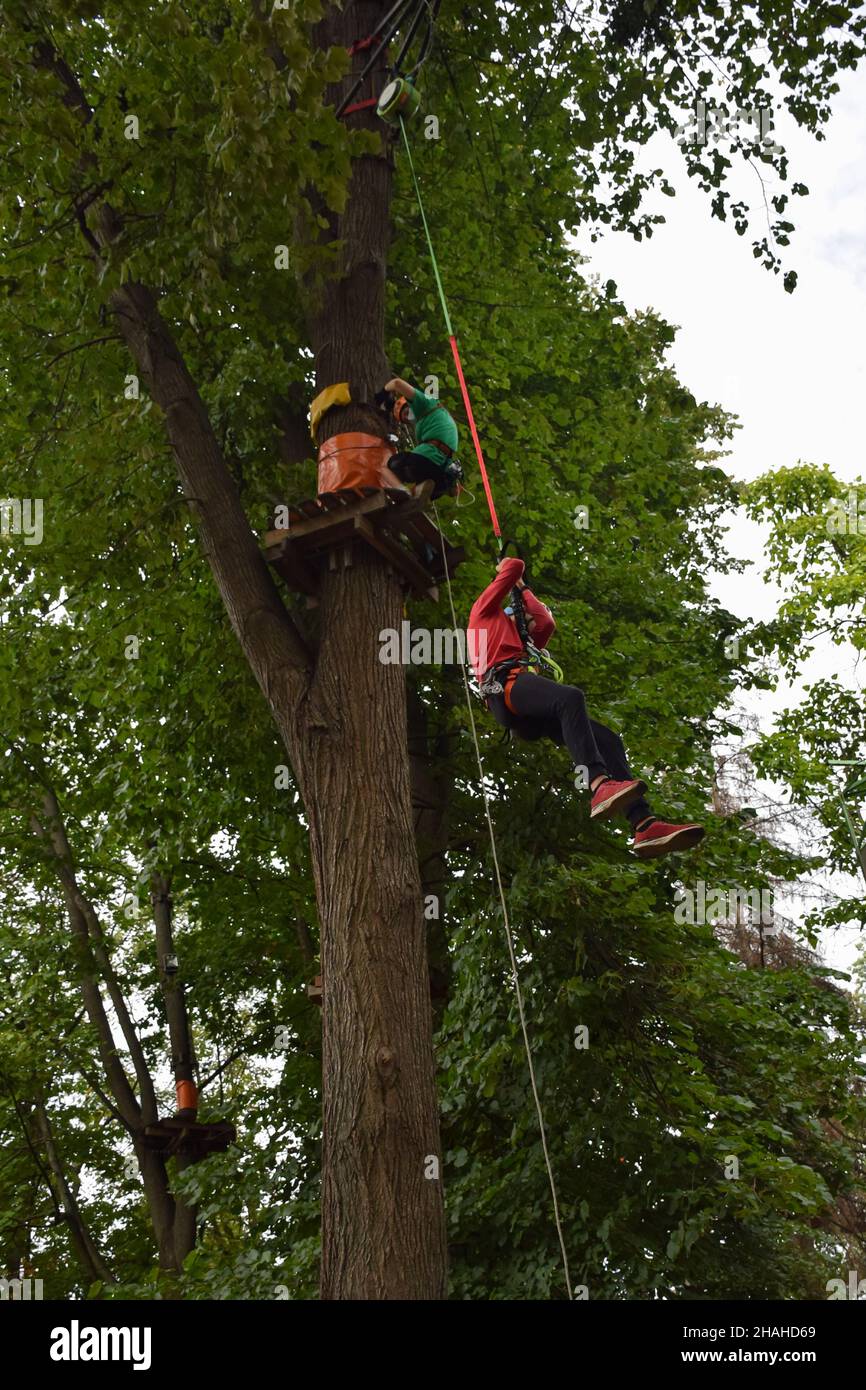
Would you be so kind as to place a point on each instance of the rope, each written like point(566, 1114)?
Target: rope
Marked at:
point(515, 975)
point(449, 328)
point(508, 933)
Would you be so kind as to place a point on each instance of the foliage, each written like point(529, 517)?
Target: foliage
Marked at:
point(164, 759)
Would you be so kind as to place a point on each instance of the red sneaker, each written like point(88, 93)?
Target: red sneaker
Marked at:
point(663, 838)
point(611, 798)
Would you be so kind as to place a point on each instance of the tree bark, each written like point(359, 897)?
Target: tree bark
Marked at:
point(383, 1231)
point(431, 783)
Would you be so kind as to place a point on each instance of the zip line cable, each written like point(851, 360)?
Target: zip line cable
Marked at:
point(515, 975)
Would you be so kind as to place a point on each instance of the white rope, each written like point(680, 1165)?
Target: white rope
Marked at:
point(508, 935)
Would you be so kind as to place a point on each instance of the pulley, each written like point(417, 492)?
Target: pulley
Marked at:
point(400, 98)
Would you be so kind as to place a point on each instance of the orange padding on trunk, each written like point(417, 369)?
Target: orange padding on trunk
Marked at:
point(187, 1095)
point(355, 460)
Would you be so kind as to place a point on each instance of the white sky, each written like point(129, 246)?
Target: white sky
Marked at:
point(790, 366)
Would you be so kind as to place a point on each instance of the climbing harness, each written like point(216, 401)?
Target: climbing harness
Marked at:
point(501, 677)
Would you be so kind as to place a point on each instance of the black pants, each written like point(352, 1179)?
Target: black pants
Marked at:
point(417, 468)
point(543, 709)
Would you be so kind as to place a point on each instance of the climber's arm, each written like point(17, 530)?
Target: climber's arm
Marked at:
point(541, 615)
point(508, 573)
point(400, 387)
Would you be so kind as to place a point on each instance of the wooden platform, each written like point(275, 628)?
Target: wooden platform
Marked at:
point(175, 1136)
point(323, 532)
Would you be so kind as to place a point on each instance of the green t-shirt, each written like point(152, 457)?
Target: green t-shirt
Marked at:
point(432, 421)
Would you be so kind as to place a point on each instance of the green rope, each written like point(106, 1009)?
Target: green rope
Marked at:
point(443, 301)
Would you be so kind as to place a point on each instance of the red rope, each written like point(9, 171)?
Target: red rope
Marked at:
point(361, 105)
point(360, 44)
point(475, 440)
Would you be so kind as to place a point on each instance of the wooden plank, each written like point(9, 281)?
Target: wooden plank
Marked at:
point(172, 1136)
point(396, 554)
point(428, 529)
point(332, 501)
point(454, 554)
point(374, 503)
point(319, 542)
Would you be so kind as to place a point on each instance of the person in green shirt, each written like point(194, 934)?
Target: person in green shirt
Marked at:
point(434, 455)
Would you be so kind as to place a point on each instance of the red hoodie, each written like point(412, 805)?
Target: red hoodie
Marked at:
point(487, 620)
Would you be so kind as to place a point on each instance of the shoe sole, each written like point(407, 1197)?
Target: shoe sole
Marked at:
point(686, 838)
point(620, 802)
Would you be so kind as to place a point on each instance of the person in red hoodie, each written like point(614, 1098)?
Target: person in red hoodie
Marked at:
point(535, 707)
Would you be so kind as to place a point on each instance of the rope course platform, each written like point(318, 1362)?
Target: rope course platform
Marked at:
point(323, 532)
point(173, 1136)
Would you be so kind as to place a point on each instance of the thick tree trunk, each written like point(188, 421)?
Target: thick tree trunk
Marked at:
point(383, 1234)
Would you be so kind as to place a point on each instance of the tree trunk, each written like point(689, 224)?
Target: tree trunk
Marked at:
point(383, 1231)
point(431, 793)
point(182, 1051)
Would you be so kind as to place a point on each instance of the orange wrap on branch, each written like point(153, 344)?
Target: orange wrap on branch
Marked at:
point(355, 460)
point(187, 1095)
